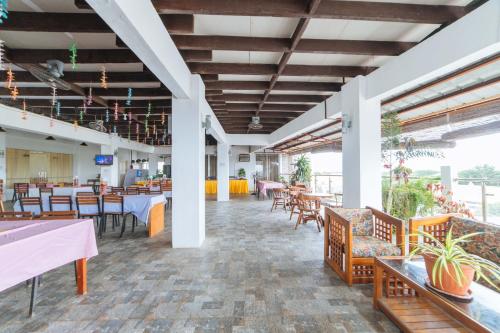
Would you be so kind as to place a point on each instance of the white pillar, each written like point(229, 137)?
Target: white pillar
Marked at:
point(447, 181)
point(222, 171)
point(188, 168)
point(361, 150)
point(153, 164)
point(111, 173)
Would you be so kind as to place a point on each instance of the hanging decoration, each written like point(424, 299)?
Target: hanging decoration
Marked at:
point(24, 114)
point(58, 109)
point(130, 118)
point(107, 116)
point(89, 97)
point(129, 97)
point(14, 92)
point(154, 127)
point(163, 117)
point(137, 131)
point(54, 95)
point(4, 4)
point(114, 129)
point(10, 78)
point(129, 132)
point(75, 124)
point(81, 116)
point(104, 78)
point(51, 122)
point(84, 106)
point(124, 116)
point(149, 110)
point(72, 55)
point(116, 111)
point(1, 54)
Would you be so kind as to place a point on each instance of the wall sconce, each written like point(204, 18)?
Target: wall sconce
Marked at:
point(346, 123)
point(207, 123)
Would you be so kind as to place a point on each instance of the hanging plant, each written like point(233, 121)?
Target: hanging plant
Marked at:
point(72, 55)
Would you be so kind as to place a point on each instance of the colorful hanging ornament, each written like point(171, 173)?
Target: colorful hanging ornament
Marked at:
point(72, 55)
point(149, 110)
point(1, 54)
point(116, 111)
point(75, 124)
point(4, 4)
point(129, 132)
point(129, 97)
point(14, 93)
point(104, 78)
point(124, 116)
point(10, 78)
point(163, 118)
point(137, 128)
point(24, 113)
point(84, 106)
point(154, 128)
point(58, 109)
point(54, 95)
point(89, 97)
point(114, 129)
point(107, 116)
point(130, 118)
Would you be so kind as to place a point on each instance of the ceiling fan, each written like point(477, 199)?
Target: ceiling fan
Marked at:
point(51, 75)
point(255, 124)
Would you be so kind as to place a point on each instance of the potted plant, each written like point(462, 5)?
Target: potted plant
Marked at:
point(303, 170)
point(450, 268)
point(241, 173)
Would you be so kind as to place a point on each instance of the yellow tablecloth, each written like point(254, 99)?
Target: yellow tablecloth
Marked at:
point(236, 186)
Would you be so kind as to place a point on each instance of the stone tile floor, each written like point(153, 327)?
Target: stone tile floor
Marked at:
point(254, 273)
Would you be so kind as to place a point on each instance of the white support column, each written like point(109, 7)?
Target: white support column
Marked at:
point(447, 181)
point(361, 151)
point(222, 171)
point(188, 168)
point(153, 164)
point(111, 173)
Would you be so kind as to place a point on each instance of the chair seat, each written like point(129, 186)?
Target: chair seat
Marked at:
point(369, 246)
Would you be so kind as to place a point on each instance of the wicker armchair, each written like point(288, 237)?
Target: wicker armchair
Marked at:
point(354, 237)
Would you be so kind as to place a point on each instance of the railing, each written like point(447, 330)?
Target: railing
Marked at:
point(481, 195)
point(323, 183)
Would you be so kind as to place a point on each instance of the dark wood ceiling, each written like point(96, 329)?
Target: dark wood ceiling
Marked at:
point(234, 110)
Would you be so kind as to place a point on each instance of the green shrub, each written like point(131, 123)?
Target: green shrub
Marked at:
point(408, 199)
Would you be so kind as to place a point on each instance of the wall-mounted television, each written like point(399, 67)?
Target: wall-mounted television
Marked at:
point(103, 159)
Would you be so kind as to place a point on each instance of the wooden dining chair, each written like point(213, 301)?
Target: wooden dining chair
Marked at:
point(13, 216)
point(31, 204)
point(20, 190)
point(58, 215)
point(294, 199)
point(45, 190)
point(117, 190)
point(89, 206)
point(167, 187)
point(132, 191)
point(281, 197)
point(67, 184)
point(85, 194)
point(143, 190)
point(113, 205)
point(60, 200)
point(155, 193)
point(309, 210)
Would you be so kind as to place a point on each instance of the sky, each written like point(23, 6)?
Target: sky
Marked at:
point(467, 154)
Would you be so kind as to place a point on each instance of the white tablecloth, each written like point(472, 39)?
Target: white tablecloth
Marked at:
point(34, 192)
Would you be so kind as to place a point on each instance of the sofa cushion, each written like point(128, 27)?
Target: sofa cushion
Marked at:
point(361, 220)
point(486, 245)
point(369, 246)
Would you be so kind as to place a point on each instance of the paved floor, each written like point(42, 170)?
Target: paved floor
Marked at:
point(254, 273)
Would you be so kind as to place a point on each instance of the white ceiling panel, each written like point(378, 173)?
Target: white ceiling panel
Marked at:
point(57, 40)
point(246, 57)
point(337, 59)
point(310, 78)
point(367, 30)
point(250, 26)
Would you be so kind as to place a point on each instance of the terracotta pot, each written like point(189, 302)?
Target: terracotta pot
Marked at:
point(448, 280)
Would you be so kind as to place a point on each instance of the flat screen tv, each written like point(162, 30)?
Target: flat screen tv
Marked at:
point(103, 159)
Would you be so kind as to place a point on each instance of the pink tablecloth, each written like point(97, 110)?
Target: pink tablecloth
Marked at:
point(31, 248)
point(264, 185)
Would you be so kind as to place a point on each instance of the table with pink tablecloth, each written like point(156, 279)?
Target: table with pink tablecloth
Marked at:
point(264, 185)
point(30, 248)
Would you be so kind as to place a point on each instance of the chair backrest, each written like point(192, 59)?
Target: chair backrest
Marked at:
point(117, 189)
point(132, 191)
point(143, 190)
point(309, 202)
point(48, 190)
point(155, 192)
point(85, 194)
point(13, 216)
point(280, 193)
point(65, 184)
point(60, 200)
point(31, 204)
point(21, 188)
point(112, 203)
point(59, 215)
point(88, 205)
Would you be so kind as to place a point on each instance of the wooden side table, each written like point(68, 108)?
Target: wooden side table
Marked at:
point(400, 292)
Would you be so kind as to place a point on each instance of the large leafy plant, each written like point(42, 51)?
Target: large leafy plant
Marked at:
point(452, 254)
point(409, 199)
point(303, 169)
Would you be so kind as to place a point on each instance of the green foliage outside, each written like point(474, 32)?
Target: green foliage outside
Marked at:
point(408, 199)
point(481, 172)
point(303, 170)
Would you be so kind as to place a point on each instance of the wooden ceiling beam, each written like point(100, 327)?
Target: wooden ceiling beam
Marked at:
point(264, 44)
point(88, 56)
point(280, 85)
point(83, 22)
point(346, 10)
point(290, 70)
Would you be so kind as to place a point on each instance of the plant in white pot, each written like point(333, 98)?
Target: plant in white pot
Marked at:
point(241, 173)
point(450, 268)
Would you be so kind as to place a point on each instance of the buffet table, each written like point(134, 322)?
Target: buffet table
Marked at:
point(30, 248)
point(236, 186)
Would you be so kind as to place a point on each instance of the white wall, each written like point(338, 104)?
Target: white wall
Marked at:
point(235, 165)
point(83, 157)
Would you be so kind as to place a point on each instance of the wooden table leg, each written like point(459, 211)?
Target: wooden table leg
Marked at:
point(377, 284)
point(81, 276)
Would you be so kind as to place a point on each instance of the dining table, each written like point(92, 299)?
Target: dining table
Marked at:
point(263, 186)
point(30, 248)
